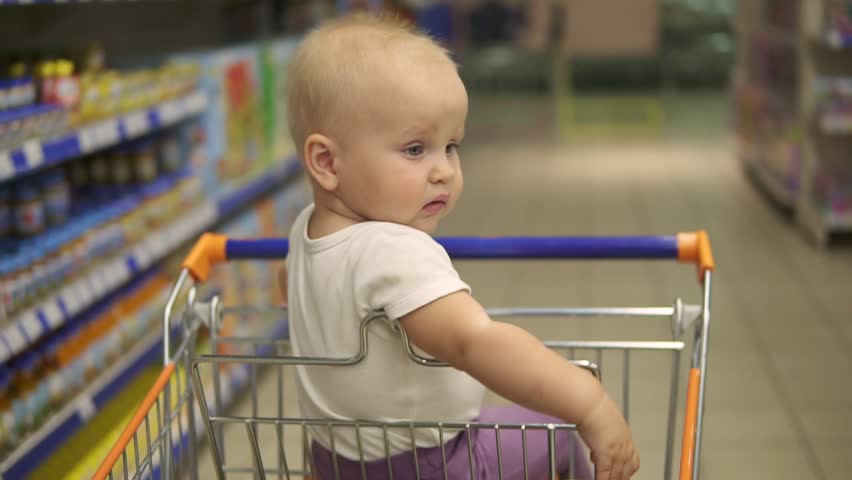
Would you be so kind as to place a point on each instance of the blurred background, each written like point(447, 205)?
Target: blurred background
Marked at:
point(127, 128)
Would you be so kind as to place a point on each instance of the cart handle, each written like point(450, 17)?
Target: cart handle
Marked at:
point(692, 247)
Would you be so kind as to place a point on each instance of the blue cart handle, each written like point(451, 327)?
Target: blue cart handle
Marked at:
point(691, 247)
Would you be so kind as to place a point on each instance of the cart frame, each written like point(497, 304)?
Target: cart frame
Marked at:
point(170, 452)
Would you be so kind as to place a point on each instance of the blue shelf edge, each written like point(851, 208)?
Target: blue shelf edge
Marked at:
point(227, 205)
point(36, 155)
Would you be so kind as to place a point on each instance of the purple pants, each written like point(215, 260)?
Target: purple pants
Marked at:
point(568, 449)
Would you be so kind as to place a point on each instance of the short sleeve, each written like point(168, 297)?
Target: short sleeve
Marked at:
point(400, 269)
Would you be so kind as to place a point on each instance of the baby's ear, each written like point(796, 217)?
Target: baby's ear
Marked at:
point(319, 160)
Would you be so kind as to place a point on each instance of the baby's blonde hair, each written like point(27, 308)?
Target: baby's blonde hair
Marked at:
point(325, 76)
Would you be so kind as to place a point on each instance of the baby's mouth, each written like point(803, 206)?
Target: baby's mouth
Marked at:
point(436, 205)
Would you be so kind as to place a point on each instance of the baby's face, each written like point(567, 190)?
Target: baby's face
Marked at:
point(400, 159)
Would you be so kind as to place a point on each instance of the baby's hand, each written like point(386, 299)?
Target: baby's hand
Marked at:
point(606, 433)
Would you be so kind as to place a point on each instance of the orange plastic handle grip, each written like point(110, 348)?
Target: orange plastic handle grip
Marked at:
point(207, 251)
point(690, 425)
point(695, 247)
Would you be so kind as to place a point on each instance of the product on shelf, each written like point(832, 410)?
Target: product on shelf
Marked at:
point(16, 92)
point(840, 17)
point(57, 197)
point(44, 99)
point(834, 103)
point(832, 191)
point(38, 381)
point(5, 211)
point(21, 124)
point(28, 209)
point(59, 220)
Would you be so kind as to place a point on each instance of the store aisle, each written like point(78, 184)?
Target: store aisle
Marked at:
point(778, 403)
point(781, 331)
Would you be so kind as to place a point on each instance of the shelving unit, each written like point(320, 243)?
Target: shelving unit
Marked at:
point(106, 281)
point(30, 326)
point(71, 348)
point(793, 140)
point(35, 155)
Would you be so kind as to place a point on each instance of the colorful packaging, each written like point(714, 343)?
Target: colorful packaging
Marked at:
point(57, 197)
point(28, 210)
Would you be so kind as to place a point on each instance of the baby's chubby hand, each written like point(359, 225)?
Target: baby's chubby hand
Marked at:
point(608, 436)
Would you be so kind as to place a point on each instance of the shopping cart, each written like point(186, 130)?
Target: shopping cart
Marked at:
point(190, 395)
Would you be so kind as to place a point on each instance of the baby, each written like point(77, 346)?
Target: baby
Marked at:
point(377, 111)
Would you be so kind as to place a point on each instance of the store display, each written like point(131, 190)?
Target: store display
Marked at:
point(16, 92)
point(21, 124)
point(70, 359)
point(793, 112)
point(241, 140)
point(839, 23)
point(834, 104)
point(58, 98)
point(103, 177)
point(276, 57)
point(112, 198)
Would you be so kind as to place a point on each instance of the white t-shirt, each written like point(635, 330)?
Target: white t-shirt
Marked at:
point(335, 282)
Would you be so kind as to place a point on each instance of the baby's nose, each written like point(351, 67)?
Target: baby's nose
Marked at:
point(442, 171)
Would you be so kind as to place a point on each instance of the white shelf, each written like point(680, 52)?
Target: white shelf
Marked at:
point(836, 123)
point(774, 185)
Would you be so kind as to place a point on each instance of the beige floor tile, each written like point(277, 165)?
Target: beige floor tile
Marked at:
point(769, 461)
point(825, 424)
point(835, 458)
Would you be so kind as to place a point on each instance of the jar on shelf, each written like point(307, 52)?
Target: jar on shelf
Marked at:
point(29, 280)
point(5, 291)
point(78, 173)
point(28, 210)
point(57, 197)
point(5, 388)
point(65, 88)
point(5, 211)
point(99, 170)
point(38, 272)
point(121, 169)
point(25, 373)
point(170, 153)
point(144, 161)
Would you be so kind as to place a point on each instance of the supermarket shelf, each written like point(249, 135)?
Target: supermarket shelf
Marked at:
point(37, 447)
point(28, 327)
point(66, 422)
point(835, 123)
point(837, 222)
point(770, 181)
point(35, 155)
point(838, 40)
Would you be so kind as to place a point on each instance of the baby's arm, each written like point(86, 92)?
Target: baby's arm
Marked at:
point(515, 364)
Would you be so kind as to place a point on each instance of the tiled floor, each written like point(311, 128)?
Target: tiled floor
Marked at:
point(779, 402)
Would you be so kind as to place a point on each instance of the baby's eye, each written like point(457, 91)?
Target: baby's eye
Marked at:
point(452, 147)
point(414, 150)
